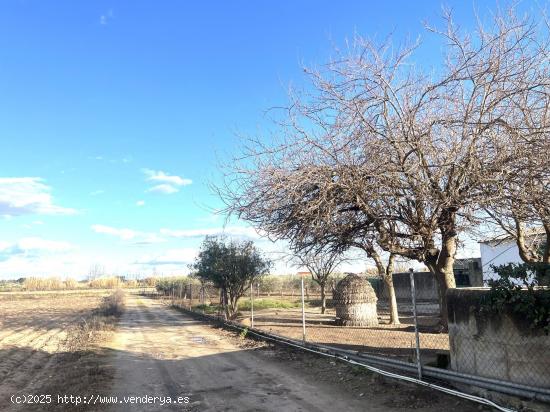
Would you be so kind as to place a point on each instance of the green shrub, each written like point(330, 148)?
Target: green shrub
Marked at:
point(517, 290)
point(209, 309)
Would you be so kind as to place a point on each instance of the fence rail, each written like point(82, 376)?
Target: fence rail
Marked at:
point(417, 346)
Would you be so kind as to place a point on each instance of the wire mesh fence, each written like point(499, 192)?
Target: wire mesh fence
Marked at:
point(498, 349)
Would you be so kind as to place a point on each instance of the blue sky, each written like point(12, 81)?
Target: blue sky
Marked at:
point(113, 115)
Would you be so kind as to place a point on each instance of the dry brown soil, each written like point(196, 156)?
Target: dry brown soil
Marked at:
point(159, 351)
point(165, 352)
point(384, 339)
point(33, 360)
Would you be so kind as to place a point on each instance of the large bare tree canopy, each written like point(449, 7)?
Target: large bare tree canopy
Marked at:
point(407, 156)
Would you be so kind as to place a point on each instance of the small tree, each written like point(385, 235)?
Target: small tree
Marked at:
point(321, 265)
point(231, 266)
point(96, 271)
point(270, 284)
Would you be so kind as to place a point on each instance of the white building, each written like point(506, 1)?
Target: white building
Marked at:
point(497, 252)
point(501, 251)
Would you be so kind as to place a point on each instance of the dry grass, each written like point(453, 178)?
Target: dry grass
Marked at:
point(55, 283)
point(113, 305)
point(90, 330)
point(106, 283)
point(83, 335)
point(52, 283)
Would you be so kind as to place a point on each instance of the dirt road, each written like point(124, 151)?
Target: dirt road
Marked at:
point(161, 352)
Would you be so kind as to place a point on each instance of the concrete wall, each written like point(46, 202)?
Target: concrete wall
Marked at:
point(499, 346)
point(424, 283)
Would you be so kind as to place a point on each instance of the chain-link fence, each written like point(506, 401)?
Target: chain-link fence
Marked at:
point(492, 351)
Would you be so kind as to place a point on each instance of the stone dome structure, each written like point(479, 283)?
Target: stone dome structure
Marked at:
point(355, 302)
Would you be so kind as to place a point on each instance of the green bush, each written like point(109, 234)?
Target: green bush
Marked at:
point(517, 290)
point(209, 309)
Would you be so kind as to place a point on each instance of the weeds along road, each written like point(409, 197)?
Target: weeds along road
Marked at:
point(161, 352)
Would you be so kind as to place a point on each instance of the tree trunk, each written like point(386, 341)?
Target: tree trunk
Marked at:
point(445, 281)
point(223, 303)
point(323, 298)
point(388, 280)
point(441, 265)
point(394, 314)
point(233, 304)
point(529, 255)
point(386, 273)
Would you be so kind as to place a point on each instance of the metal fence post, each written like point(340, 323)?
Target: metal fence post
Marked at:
point(413, 296)
point(251, 304)
point(303, 312)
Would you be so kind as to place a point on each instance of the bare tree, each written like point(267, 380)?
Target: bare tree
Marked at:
point(96, 271)
point(321, 265)
point(521, 210)
point(522, 213)
point(385, 272)
point(347, 231)
point(409, 155)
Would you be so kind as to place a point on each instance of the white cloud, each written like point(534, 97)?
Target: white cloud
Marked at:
point(162, 177)
point(28, 195)
point(32, 224)
point(32, 248)
point(165, 189)
point(124, 159)
point(97, 192)
point(181, 256)
point(239, 231)
point(124, 234)
point(105, 18)
point(140, 203)
point(167, 183)
point(141, 238)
